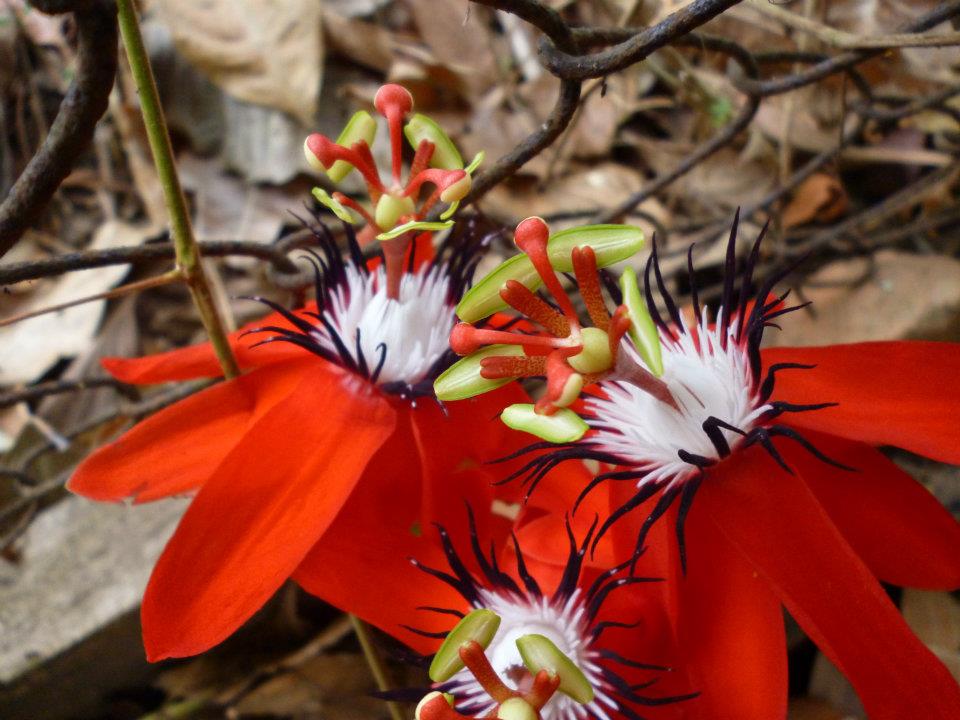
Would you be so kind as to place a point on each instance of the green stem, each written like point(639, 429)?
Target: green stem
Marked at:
point(185, 245)
point(379, 673)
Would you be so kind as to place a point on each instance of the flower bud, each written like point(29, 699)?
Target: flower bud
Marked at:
point(539, 653)
point(562, 426)
point(595, 356)
point(478, 626)
point(516, 709)
point(391, 208)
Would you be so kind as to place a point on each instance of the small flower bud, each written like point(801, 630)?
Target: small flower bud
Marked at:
point(562, 426)
point(517, 709)
point(540, 653)
point(478, 626)
point(595, 356)
point(391, 208)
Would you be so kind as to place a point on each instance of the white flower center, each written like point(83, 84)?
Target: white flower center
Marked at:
point(705, 379)
point(415, 329)
point(566, 626)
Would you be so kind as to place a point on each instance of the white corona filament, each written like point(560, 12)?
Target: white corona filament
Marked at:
point(414, 329)
point(566, 625)
point(704, 378)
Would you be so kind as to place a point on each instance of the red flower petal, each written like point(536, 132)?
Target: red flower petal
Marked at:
point(362, 564)
point(260, 512)
point(175, 450)
point(904, 535)
point(890, 393)
point(464, 437)
point(777, 523)
point(199, 361)
point(730, 626)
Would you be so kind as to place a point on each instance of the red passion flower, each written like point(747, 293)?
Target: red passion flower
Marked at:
point(334, 412)
point(795, 505)
point(606, 624)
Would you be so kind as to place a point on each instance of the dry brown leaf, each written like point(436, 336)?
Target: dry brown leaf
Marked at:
point(458, 40)
point(819, 198)
point(262, 52)
point(363, 42)
point(29, 347)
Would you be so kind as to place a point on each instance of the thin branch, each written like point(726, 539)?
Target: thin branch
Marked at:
point(168, 278)
point(58, 387)
point(637, 47)
point(188, 254)
point(850, 41)
point(72, 130)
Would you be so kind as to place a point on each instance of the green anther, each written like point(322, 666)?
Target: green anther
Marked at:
point(563, 426)
point(414, 225)
point(595, 356)
point(516, 709)
point(611, 244)
point(642, 330)
point(539, 653)
point(479, 626)
point(390, 208)
point(463, 380)
point(445, 153)
point(360, 127)
point(338, 209)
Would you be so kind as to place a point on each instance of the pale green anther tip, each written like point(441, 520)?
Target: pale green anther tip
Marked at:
point(561, 427)
point(361, 126)
point(516, 709)
point(479, 626)
point(462, 380)
point(428, 698)
point(642, 331)
point(475, 163)
point(445, 153)
point(337, 208)
point(417, 225)
point(540, 653)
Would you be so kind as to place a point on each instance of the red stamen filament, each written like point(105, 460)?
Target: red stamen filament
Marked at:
point(526, 302)
point(375, 190)
point(421, 159)
point(473, 656)
point(441, 178)
point(585, 269)
point(465, 339)
point(531, 237)
point(394, 253)
point(349, 202)
point(512, 366)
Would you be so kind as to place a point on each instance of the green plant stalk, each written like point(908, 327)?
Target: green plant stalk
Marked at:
point(379, 673)
point(185, 245)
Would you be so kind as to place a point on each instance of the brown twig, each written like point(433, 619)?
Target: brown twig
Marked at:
point(72, 130)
